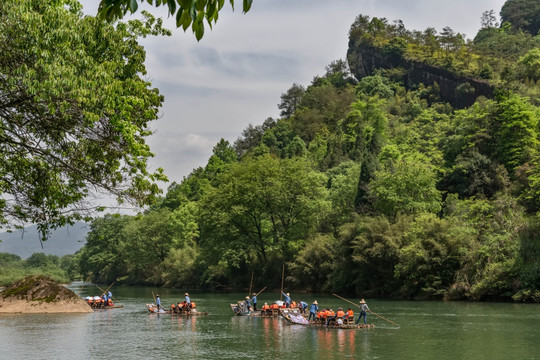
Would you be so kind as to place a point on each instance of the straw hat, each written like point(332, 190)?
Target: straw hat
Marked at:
point(287, 294)
point(186, 294)
point(157, 295)
point(254, 293)
point(315, 302)
point(362, 301)
point(247, 297)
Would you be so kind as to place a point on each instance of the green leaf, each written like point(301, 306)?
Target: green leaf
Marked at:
point(179, 15)
point(133, 6)
point(172, 6)
point(200, 31)
point(193, 12)
point(247, 5)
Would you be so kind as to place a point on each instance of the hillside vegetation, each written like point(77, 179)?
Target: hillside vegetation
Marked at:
point(409, 171)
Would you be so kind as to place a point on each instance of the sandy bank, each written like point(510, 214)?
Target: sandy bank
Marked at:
point(15, 306)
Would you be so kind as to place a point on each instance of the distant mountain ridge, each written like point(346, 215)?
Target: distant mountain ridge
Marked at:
point(63, 241)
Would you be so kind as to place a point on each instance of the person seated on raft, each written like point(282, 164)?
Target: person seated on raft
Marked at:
point(349, 316)
point(266, 310)
point(330, 317)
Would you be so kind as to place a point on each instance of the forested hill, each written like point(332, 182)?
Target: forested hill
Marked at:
point(63, 241)
point(414, 176)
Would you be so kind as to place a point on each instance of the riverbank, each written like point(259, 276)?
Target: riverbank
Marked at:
point(16, 306)
point(40, 294)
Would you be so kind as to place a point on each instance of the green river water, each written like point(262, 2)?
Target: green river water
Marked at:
point(427, 330)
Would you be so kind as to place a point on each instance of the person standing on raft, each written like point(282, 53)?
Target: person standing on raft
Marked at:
point(158, 302)
point(188, 303)
point(363, 312)
point(313, 311)
point(254, 301)
point(287, 299)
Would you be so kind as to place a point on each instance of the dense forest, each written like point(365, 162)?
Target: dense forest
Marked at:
point(409, 170)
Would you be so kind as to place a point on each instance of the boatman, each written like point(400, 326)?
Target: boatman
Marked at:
point(248, 303)
point(303, 306)
point(363, 312)
point(313, 311)
point(287, 299)
point(109, 295)
point(254, 301)
point(188, 302)
point(158, 302)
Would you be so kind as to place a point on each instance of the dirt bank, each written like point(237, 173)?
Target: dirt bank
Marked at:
point(40, 294)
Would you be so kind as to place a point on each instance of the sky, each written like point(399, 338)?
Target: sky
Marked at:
point(236, 74)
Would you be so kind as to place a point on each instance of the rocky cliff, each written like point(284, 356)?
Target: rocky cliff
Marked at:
point(458, 90)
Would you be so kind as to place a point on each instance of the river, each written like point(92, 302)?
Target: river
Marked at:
point(427, 330)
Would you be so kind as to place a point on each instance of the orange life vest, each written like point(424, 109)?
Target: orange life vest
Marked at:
point(350, 313)
point(193, 306)
point(265, 307)
point(340, 313)
point(293, 304)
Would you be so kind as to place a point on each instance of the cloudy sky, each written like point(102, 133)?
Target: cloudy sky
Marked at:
point(235, 75)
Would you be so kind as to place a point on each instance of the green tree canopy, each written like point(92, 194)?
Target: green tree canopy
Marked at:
point(265, 205)
point(522, 14)
point(74, 112)
point(408, 186)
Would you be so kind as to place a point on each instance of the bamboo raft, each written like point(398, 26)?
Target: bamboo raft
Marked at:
point(109, 307)
point(240, 310)
point(294, 316)
point(153, 310)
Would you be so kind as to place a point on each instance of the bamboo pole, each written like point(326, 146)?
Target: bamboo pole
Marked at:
point(282, 278)
point(111, 284)
point(250, 284)
point(346, 300)
point(391, 322)
point(84, 283)
point(261, 291)
point(105, 291)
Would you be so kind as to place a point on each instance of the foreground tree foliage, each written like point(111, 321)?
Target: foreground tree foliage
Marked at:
point(372, 188)
point(74, 112)
point(186, 12)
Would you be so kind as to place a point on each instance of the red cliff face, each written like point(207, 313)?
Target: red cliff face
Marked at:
point(458, 90)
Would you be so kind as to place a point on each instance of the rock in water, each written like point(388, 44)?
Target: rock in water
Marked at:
point(40, 294)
